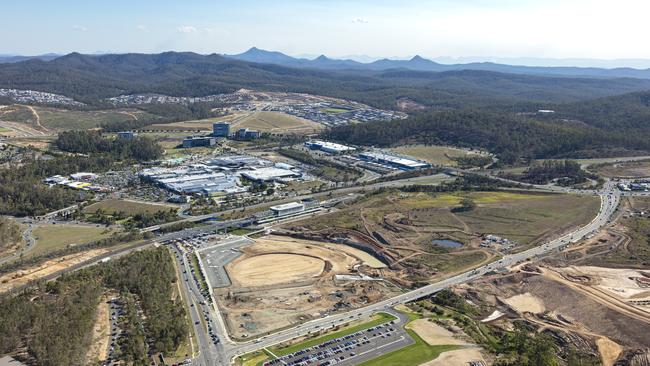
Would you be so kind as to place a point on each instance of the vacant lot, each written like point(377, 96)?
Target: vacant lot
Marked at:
point(61, 119)
point(419, 217)
point(276, 122)
point(433, 334)
point(273, 269)
point(439, 155)
point(280, 281)
point(401, 227)
point(630, 169)
point(111, 206)
point(54, 237)
point(22, 277)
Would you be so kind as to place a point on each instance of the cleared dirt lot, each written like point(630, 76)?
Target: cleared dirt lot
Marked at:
point(98, 350)
point(434, 334)
point(459, 357)
point(22, 277)
point(279, 281)
point(273, 269)
point(526, 303)
point(629, 169)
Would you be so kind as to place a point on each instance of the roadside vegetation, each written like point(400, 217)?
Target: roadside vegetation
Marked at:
point(565, 173)
point(33, 322)
point(10, 234)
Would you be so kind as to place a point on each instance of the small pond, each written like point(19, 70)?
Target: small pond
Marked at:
point(447, 243)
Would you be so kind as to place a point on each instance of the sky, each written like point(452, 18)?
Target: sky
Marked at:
point(443, 29)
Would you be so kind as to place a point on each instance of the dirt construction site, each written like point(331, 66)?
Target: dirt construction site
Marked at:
point(404, 229)
point(599, 310)
point(279, 281)
point(593, 296)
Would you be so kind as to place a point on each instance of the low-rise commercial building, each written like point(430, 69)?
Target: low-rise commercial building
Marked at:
point(395, 161)
point(270, 174)
point(329, 147)
point(246, 134)
point(196, 141)
point(287, 209)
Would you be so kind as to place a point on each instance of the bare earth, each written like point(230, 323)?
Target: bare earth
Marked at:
point(98, 350)
point(434, 334)
point(19, 278)
point(459, 357)
point(280, 281)
point(609, 351)
point(618, 282)
point(526, 303)
point(273, 269)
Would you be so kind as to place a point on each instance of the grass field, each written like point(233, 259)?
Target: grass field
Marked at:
point(524, 217)
point(61, 119)
point(111, 206)
point(413, 355)
point(275, 122)
point(54, 237)
point(439, 155)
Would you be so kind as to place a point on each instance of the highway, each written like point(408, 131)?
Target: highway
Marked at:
point(227, 349)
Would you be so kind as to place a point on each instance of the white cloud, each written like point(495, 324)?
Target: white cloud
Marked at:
point(79, 28)
point(186, 29)
point(142, 28)
point(360, 20)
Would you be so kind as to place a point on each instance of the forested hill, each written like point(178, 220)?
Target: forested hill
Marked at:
point(91, 78)
point(629, 112)
point(511, 137)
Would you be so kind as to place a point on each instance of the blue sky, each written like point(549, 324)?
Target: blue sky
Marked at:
point(436, 28)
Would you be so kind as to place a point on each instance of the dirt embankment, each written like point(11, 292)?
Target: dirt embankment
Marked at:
point(22, 277)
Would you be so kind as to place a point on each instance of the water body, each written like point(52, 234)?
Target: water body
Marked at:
point(447, 243)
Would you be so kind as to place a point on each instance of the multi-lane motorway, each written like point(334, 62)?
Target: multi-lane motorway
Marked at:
point(227, 349)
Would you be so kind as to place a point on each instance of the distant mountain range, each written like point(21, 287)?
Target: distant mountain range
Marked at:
point(18, 58)
point(418, 63)
point(91, 78)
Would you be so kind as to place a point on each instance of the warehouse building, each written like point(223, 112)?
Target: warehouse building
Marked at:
point(287, 209)
point(394, 161)
point(270, 174)
point(329, 147)
point(238, 162)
